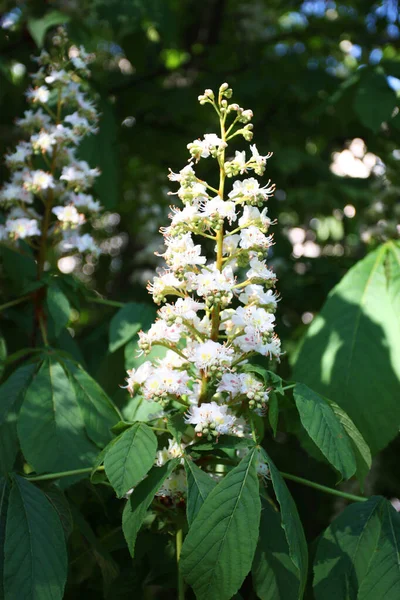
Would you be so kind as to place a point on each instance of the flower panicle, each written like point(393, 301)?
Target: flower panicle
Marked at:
point(217, 292)
point(45, 169)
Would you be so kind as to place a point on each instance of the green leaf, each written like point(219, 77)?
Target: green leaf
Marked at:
point(58, 441)
point(60, 504)
point(374, 100)
point(218, 550)
point(324, 428)
point(199, 485)
point(274, 575)
point(12, 390)
point(269, 377)
point(176, 425)
point(360, 448)
point(127, 322)
point(358, 555)
point(356, 336)
point(38, 27)
point(98, 411)
point(4, 494)
point(35, 565)
point(59, 308)
point(291, 524)
point(121, 426)
point(8, 444)
point(273, 412)
point(130, 458)
point(139, 501)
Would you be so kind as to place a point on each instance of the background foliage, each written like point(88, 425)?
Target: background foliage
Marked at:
point(318, 75)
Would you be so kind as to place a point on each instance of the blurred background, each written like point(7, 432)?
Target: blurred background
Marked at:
point(322, 79)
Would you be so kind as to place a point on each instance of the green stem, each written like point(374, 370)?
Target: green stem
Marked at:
point(14, 302)
point(181, 583)
point(61, 474)
point(288, 387)
point(106, 302)
point(323, 488)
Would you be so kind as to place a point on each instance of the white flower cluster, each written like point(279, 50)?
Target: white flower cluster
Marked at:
point(224, 309)
point(47, 194)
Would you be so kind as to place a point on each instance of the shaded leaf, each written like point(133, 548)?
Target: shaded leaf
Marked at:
point(139, 501)
point(35, 565)
point(59, 308)
point(98, 411)
point(357, 335)
point(325, 429)
point(291, 524)
point(199, 485)
point(38, 27)
point(58, 441)
point(218, 550)
point(358, 554)
point(274, 575)
point(127, 322)
point(130, 458)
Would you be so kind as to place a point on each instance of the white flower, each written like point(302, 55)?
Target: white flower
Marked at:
point(43, 141)
point(253, 316)
point(255, 294)
point(184, 308)
point(83, 243)
point(208, 354)
point(31, 120)
point(252, 237)
point(211, 417)
point(231, 383)
point(182, 252)
point(252, 216)
point(79, 175)
point(258, 160)
point(85, 201)
point(55, 76)
point(249, 190)
point(18, 158)
point(230, 243)
point(39, 180)
point(137, 377)
point(211, 280)
point(203, 148)
point(14, 191)
point(165, 381)
point(174, 450)
point(40, 94)
point(22, 228)
point(220, 208)
point(185, 177)
point(68, 214)
point(259, 271)
point(160, 332)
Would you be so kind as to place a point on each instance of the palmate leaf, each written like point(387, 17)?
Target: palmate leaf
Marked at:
point(12, 390)
point(127, 322)
point(57, 441)
point(218, 551)
point(291, 524)
point(274, 575)
point(356, 336)
point(325, 429)
point(358, 555)
point(130, 458)
point(59, 308)
point(35, 566)
point(360, 448)
point(98, 411)
point(199, 485)
point(139, 501)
